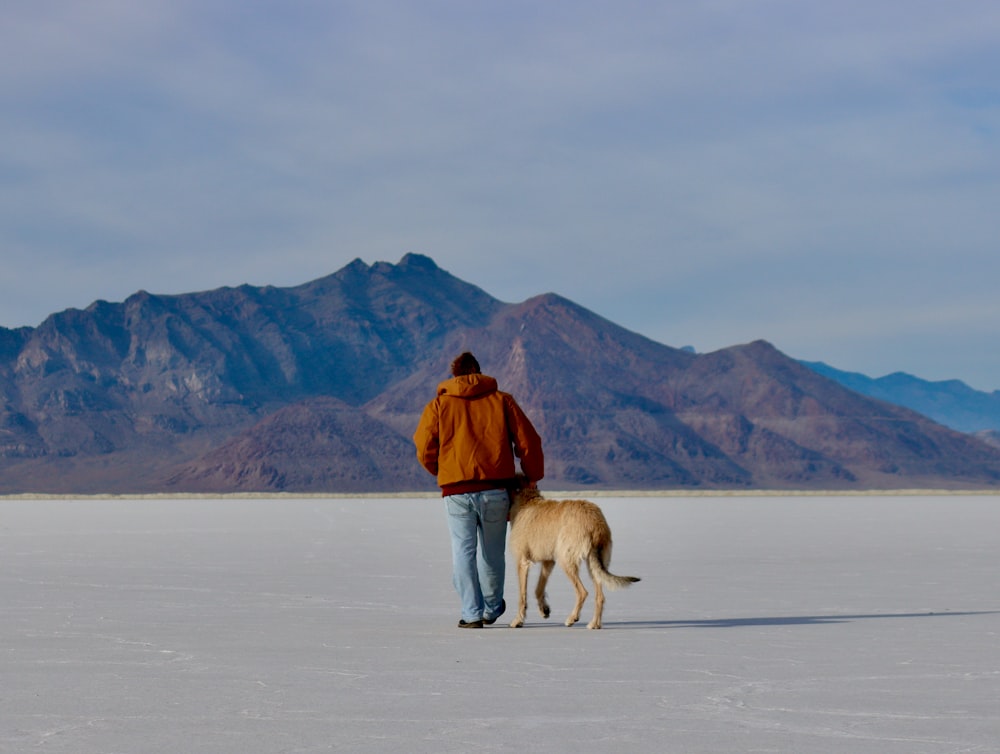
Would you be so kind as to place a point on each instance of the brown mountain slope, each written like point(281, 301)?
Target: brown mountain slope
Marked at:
point(311, 446)
point(109, 398)
point(599, 395)
point(618, 410)
point(750, 399)
point(318, 388)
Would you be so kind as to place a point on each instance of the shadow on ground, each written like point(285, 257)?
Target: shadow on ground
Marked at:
point(786, 620)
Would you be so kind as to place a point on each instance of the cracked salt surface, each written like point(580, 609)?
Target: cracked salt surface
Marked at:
point(764, 624)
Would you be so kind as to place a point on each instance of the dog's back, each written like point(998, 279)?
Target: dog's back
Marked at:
point(544, 529)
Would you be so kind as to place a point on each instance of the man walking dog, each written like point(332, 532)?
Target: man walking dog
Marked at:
point(469, 436)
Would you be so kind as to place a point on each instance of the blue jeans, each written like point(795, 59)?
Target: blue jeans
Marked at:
point(478, 518)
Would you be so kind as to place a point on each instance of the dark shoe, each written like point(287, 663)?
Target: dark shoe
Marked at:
point(503, 609)
point(470, 624)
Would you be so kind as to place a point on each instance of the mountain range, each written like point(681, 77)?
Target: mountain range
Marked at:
point(950, 402)
point(318, 387)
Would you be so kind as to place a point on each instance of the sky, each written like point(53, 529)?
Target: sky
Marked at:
point(824, 176)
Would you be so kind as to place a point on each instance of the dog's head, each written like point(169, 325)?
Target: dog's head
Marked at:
point(522, 489)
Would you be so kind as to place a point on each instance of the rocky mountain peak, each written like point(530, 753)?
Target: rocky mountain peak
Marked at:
point(318, 387)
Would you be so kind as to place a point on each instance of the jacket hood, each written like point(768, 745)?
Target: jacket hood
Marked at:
point(468, 386)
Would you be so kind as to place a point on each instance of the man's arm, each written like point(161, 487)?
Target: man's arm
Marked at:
point(527, 443)
point(426, 438)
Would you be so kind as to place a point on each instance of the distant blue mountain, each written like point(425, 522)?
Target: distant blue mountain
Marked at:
point(949, 402)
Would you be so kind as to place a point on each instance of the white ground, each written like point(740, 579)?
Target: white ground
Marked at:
point(768, 624)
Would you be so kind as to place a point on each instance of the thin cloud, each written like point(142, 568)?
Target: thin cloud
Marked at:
point(653, 162)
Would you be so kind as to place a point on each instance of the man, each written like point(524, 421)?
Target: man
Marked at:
point(468, 436)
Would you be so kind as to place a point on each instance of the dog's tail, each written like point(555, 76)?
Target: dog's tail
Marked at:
point(600, 572)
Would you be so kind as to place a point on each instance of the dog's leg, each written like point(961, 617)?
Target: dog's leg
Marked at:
point(572, 569)
point(543, 580)
point(523, 565)
point(595, 622)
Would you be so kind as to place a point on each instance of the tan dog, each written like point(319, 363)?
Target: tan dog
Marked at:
point(565, 532)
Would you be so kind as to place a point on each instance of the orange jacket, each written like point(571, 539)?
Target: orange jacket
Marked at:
point(470, 434)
